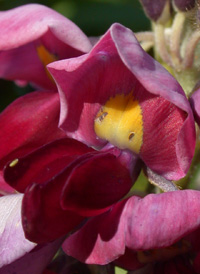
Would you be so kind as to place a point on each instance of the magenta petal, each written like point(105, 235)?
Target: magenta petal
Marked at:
point(197, 263)
point(194, 239)
point(86, 185)
point(153, 78)
point(42, 216)
point(139, 224)
point(91, 80)
point(118, 65)
point(26, 28)
point(35, 261)
point(95, 184)
point(129, 260)
point(12, 241)
point(44, 163)
point(106, 238)
point(28, 123)
point(42, 175)
point(160, 220)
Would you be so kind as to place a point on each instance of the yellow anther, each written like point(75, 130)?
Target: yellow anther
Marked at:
point(120, 122)
point(45, 57)
point(13, 163)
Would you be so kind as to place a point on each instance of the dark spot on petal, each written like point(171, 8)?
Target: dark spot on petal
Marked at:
point(103, 115)
point(131, 135)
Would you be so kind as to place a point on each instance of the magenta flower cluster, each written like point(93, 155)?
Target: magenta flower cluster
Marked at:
point(71, 151)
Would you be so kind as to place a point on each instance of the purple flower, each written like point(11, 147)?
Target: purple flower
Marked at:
point(52, 169)
point(161, 10)
point(154, 9)
point(117, 95)
point(33, 36)
point(119, 110)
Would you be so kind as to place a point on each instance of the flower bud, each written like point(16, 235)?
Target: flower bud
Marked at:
point(158, 10)
point(184, 5)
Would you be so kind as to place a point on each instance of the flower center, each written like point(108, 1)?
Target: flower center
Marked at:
point(120, 122)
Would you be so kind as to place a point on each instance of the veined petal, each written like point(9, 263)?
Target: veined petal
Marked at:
point(172, 111)
point(27, 30)
point(140, 224)
point(119, 86)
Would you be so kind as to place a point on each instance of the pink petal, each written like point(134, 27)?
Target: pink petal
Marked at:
point(154, 77)
point(23, 65)
point(25, 28)
point(139, 224)
point(12, 240)
point(102, 238)
point(29, 22)
point(35, 261)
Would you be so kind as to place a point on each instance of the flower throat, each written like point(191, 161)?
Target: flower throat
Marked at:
point(120, 122)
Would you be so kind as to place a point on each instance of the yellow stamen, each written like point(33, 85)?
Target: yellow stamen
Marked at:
point(45, 57)
point(120, 122)
point(13, 163)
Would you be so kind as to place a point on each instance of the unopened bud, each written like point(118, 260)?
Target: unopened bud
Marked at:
point(184, 5)
point(157, 10)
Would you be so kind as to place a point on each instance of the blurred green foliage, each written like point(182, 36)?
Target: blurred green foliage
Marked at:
point(94, 17)
point(119, 270)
